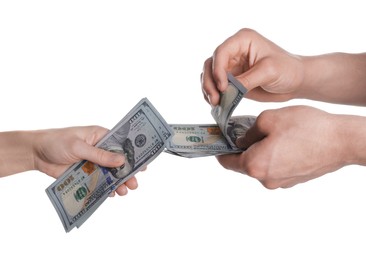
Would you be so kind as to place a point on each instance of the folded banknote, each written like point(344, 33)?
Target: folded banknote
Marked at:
point(194, 140)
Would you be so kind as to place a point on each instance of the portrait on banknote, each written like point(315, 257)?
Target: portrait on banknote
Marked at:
point(120, 143)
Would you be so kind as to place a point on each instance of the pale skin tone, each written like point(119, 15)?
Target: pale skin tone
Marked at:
point(294, 144)
point(52, 151)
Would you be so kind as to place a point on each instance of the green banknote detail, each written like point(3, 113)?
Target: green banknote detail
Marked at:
point(140, 136)
point(193, 141)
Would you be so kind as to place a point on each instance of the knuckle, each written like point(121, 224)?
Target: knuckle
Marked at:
point(265, 119)
point(255, 170)
point(217, 51)
point(247, 34)
point(247, 31)
point(207, 64)
point(220, 52)
point(101, 155)
point(95, 133)
point(271, 185)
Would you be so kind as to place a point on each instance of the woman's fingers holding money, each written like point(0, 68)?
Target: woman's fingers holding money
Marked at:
point(122, 190)
point(132, 183)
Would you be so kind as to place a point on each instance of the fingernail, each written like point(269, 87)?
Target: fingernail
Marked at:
point(209, 98)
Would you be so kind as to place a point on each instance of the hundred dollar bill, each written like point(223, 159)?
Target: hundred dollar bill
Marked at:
point(193, 141)
point(197, 141)
point(140, 136)
point(204, 140)
point(229, 100)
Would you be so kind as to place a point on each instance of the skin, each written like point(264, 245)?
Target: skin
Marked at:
point(52, 151)
point(295, 144)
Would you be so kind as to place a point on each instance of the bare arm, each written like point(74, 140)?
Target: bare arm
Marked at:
point(292, 145)
point(52, 151)
point(335, 78)
point(16, 152)
point(273, 74)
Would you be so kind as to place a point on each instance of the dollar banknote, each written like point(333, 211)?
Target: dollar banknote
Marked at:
point(197, 141)
point(205, 140)
point(140, 136)
point(229, 100)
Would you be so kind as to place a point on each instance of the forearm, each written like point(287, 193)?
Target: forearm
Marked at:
point(352, 138)
point(16, 152)
point(335, 78)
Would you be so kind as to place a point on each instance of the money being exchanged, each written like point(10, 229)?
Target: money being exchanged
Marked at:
point(194, 140)
point(140, 136)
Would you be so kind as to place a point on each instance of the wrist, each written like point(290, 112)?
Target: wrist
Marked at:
point(17, 152)
point(352, 136)
point(315, 72)
point(25, 147)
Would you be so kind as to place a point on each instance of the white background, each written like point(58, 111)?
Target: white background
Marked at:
point(66, 63)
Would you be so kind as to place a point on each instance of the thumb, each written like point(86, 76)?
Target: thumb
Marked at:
point(256, 76)
point(233, 162)
point(100, 156)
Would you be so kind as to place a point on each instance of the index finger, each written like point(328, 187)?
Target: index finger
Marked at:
point(220, 60)
point(209, 89)
point(230, 56)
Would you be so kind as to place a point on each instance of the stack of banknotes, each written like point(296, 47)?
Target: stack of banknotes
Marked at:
point(141, 136)
point(194, 140)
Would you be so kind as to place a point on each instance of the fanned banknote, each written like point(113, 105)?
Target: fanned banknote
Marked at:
point(205, 140)
point(197, 141)
point(140, 136)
